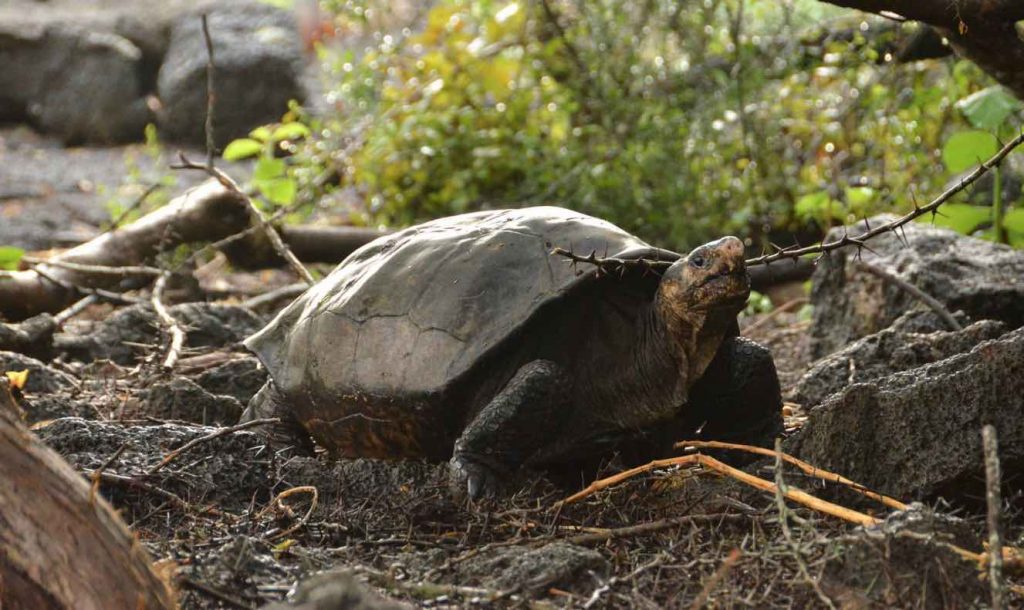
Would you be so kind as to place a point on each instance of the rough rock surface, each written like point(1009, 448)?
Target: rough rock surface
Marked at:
point(910, 342)
point(917, 433)
point(558, 564)
point(983, 279)
point(259, 65)
point(180, 399)
point(240, 378)
point(905, 562)
point(125, 335)
point(336, 590)
point(80, 84)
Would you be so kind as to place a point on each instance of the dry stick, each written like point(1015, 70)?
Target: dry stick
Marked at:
point(787, 306)
point(114, 224)
point(172, 326)
point(780, 503)
point(284, 292)
point(643, 529)
point(117, 479)
point(813, 471)
point(124, 271)
point(720, 573)
point(219, 432)
point(98, 473)
point(711, 463)
point(913, 291)
point(275, 238)
point(994, 501)
point(614, 580)
point(277, 501)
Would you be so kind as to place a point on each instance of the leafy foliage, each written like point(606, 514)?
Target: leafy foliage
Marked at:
point(678, 121)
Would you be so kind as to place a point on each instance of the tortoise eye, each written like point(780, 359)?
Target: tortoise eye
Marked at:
point(698, 261)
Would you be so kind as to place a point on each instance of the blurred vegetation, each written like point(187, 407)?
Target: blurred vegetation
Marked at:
point(677, 120)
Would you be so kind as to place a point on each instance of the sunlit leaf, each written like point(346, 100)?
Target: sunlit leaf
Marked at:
point(988, 108)
point(242, 148)
point(18, 378)
point(268, 168)
point(290, 131)
point(280, 191)
point(261, 133)
point(10, 256)
point(1014, 220)
point(966, 149)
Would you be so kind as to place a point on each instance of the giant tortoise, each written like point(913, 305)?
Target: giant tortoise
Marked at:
point(466, 339)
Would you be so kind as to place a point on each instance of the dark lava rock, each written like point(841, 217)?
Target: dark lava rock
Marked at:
point(127, 333)
point(240, 378)
point(335, 590)
point(983, 279)
point(80, 84)
point(888, 351)
point(534, 571)
point(906, 562)
point(259, 65)
point(42, 379)
point(183, 400)
point(229, 470)
point(917, 433)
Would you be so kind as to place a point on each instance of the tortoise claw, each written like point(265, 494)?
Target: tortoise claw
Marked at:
point(471, 477)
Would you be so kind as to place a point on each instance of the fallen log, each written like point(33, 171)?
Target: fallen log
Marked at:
point(206, 213)
point(61, 547)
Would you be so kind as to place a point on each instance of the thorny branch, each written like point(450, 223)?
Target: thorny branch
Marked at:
point(613, 265)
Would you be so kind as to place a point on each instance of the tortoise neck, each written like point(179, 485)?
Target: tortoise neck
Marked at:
point(691, 340)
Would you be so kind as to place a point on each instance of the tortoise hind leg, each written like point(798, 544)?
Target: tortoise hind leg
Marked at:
point(523, 417)
point(269, 402)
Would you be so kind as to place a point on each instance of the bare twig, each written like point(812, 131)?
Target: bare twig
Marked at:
point(780, 503)
point(97, 474)
point(993, 497)
point(114, 224)
point(170, 457)
point(267, 298)
point(787, 306)
point(74, 309)
point(111, 478)
point(278, 502)
point(122, 271)
point(813, 471)
point(214, 592)
point(172, 326)
point(226, 181)
point(611, 264)
point(717, 577)
point(211, 91)
point(643, 529)
point(614, 580)
point(913, 291)
point(796, 495)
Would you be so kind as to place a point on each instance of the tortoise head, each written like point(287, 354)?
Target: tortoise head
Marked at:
point(700, 295)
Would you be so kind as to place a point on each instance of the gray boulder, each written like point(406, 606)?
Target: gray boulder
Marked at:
point(983, 279)
point(915, 339)
point(79, 84)
point(259, 65)
point(906, 562)
point(917, 433)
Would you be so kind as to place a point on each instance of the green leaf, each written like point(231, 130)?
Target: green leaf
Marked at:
point(1014, 220)
point(816, 206)
point(280, 191)
point(961, 217)
point(261, 133)
point(10, 256)
point(988, 108)
point(268, 168)
point(290, 131)
point(242, 148)
point(966, 149)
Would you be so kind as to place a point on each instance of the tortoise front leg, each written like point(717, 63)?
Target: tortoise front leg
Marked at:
point(520, 419)
point(288, 432)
